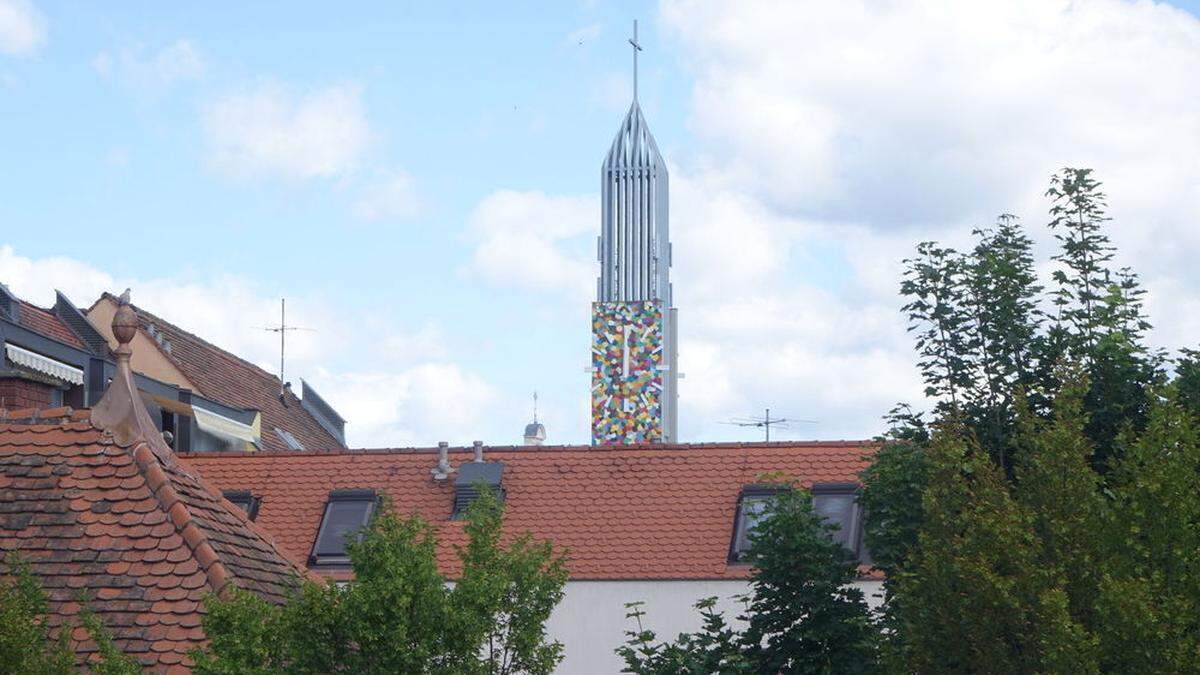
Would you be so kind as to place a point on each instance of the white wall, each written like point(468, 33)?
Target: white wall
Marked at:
point(590, 621)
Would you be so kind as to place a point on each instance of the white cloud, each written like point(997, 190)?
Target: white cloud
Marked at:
point(392, 196)
point(532, 240)
point(395, 383)
point(176, 62)
point(818, 162)
point(22, 28)
point(436, 398)
point(919, 113)
point(270, 131)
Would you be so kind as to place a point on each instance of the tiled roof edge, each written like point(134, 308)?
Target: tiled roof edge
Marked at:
point(44, 415)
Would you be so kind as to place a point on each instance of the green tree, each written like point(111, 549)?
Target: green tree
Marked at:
point(26, 641)
point(399, 614)
point(1100, 321)
point(1148, 605)
point(975, 596)
point(1187, 380)
point(714, 649)
point(803, 613)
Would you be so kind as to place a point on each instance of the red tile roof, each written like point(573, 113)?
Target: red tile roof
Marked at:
point(47, 323)
point(624, 512)
point(223, 377)
point(141, 534)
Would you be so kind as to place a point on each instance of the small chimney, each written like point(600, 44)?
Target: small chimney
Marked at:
point(442, 471)
point(478, 450)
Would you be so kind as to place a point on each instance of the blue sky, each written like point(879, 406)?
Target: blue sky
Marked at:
point(419, 180)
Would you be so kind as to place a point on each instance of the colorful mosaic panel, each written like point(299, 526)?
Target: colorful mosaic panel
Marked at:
point(627, 380)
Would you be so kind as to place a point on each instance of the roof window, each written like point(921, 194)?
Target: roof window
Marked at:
point(473, 478)
point(346, 513)
point(244, 500)
point(288, 439)
point(837, 503)
point(751, 507)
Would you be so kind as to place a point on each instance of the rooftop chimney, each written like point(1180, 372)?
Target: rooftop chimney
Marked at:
point(478, 445)
point(442, 471)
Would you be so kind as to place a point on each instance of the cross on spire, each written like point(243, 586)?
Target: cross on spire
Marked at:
point(636, 48)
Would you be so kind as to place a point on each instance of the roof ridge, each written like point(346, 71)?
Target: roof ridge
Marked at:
point(155, 475)
point(547, 449)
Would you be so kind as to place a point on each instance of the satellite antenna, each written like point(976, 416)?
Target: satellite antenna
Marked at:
point(766, 422)
point(282, 329)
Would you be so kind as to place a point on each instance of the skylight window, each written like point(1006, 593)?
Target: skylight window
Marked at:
point(346, 513)
point(473, 479)
point(244, 500)
point(288, 439)
point(752, 507)
point(837, 503)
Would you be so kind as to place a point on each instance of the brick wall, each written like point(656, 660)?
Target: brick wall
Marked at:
point(16, 393)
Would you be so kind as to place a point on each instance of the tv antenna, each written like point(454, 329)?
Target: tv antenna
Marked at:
point(283, 329)
point(766, 422)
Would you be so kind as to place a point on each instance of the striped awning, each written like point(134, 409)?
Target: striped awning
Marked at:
point(45, 365)
point(220, 425)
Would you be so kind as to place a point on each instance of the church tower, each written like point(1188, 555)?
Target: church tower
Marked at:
point(634, 360)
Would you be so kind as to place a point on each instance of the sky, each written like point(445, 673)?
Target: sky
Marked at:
point(421, 180)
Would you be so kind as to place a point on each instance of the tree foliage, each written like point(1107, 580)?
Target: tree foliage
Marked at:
point(803, 614)
point(1046, 519)
point(399, 614)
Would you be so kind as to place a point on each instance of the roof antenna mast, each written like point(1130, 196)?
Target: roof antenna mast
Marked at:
point(637, 47)
point(282, 329)
point(766, 422)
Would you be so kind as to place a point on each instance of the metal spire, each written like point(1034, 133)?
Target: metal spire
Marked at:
point(636, 48)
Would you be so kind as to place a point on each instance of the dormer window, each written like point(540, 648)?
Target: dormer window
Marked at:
point(346, 513)
point(244, 500)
